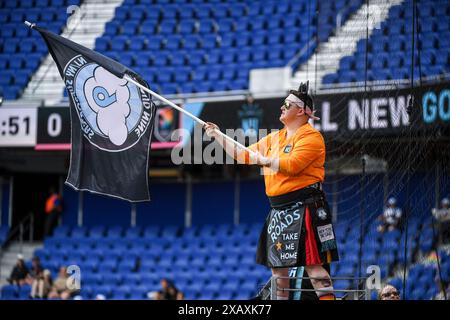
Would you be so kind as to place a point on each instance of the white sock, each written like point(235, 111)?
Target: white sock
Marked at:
point(324, 291)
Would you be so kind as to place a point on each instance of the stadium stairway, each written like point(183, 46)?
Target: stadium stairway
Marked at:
point(46, 83)
point(343, 43)
point(9, 257)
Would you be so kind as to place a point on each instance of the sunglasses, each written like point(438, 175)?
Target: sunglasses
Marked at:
point(389, 294)
point(288, 104)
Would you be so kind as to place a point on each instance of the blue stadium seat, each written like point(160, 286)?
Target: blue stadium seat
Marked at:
point(199, 74)
point(115, 232)
point(132, 279)
point(11, 46)
point(9, 292)
point(126, 266)
point(397, 28)
point(24, 292)
point(102, 44)
point(219, 11)
point(97, 232)
point(122, 13)
point(148, 27)
point(214, 73)
point(138, 13)
point(173, 42)
point(167, 27)
point(112, 279)
point(191, 42)
point(112, 28)
point(209, 42)
point(187, 88)
point(129, 28)
point(169, 12)
point(119, 43)
point(225, 25)
point(78, 232)
point(213, 57)
point(187, 26)
point(207, 26)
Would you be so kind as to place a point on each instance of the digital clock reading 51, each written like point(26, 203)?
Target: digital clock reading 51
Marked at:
point(14, 125)
point(17, 127)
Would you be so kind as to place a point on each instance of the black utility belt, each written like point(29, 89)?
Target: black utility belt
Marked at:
point(308, 195)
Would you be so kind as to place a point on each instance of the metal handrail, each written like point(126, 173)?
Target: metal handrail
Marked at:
point(340, 14)
point(300, 53)
point(379, 85)
point(26, 224)
point(362, 292)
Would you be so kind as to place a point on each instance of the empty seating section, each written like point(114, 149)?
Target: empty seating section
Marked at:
point(129, 263)
point(389, 47)
point(217, 261)
point(21, 50)
point(175, 44)
point(203, 46)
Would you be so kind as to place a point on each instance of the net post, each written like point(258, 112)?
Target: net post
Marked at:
point(273, 288)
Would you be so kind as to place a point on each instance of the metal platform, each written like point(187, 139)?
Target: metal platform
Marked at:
point(362, 292)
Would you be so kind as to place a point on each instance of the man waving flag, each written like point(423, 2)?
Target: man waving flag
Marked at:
point(112, 121)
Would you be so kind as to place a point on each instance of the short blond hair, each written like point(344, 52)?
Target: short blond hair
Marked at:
point(384, 288)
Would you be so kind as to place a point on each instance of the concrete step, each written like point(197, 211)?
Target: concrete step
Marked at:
point(46, 82)
point(16, 245)
point(7, 267)
point(94, 16)
point(48, 90)
point(9, 257)
point(91, 29)
point(15, 252)
point(343, 43)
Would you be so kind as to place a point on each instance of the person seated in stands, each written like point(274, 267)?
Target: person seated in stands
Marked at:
point(442, 216)
point(168, 291)
point(442, 213)
point(42, 285)
point(19, 273)
point(35, 271)
point(391, 217)
point(442, 286)
point(180, 295)
point(59, 289)
point(154, 295)
point(388, 292)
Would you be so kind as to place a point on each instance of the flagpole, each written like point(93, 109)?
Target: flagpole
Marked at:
point(173, 105)
point(203, 123)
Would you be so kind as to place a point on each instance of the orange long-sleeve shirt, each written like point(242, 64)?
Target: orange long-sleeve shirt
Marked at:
point(301, 159)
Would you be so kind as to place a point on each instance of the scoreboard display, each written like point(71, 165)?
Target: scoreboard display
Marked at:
point(53, 130)
point(48, 128)
point(18, 127)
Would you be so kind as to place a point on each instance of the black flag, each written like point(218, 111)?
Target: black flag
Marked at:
point(112, 121)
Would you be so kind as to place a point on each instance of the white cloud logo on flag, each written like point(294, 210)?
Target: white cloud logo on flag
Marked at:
point(110, 109)
point(108, 95)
